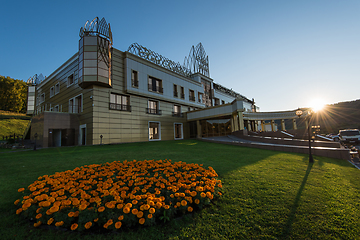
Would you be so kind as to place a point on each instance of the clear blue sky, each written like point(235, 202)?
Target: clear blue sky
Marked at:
point(281, 53)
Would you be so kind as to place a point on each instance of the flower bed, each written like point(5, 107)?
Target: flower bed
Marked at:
point(118, 194)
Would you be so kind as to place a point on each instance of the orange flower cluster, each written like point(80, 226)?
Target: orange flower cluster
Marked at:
point(136, 192)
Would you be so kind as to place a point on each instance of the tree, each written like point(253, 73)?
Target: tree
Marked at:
point(13, 94)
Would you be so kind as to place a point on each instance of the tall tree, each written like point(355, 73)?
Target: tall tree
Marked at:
point(13, 93)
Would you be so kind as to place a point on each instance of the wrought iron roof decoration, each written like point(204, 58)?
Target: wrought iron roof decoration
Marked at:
point(36, 79)
point(96, 27)
point(158, 59)
point(231, 92)
point(197, 61)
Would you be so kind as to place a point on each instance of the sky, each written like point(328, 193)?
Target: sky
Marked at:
point(284, 54)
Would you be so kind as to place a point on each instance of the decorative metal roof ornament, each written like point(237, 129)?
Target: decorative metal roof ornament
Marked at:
point(198, 61)
point(96, 27)
point(158, 59)
point(36, 79)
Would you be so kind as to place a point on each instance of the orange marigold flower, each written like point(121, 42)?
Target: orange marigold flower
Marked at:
point(203, 195)
point(71, 214)
point(120, 206)
point(74, 226)
point(32, 189)
point(142, 220)
point(190, 209)
point(152, 210)
point(54, 209)
point(82, 207)
point(88, 225)
point(46, 204)
point(118, 225)
point(50, 221)
point(38, 216)
point(19, 211)
point(101, 209)
point(220, 193)
point(134, 201)
point(126, 210)
point(134, 211)
point(37, 224)
point(121, 217)
point(197, 201)
point(193, 193)
point(150, 216)
point(17, 201)
point(140, 214)
point(96, 219)
point(166, 206)
point(183, 203)
point(76, 214)
point(106, 225)
point(21, 189)
point(59, 224)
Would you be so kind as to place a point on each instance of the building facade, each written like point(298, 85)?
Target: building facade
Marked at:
point(102, 95)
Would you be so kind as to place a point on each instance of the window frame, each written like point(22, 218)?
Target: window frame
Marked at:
point(134, 82)
point(71, 76)
point(182, 131)
point(159, 130)
point(155, 111)
point(191, 95)
point(73, 99)
point(155, 89)
point(57, 86)
point(120, 106)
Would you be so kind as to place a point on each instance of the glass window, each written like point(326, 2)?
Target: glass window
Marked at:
point(134, 78)
point(178, 131)
point(154, 131)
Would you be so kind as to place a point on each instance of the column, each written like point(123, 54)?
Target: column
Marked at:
point(240, 121)
point(273, 125)
point(249, 125)
point(263, 125)
point(256, 126)
point(283, 125)
point(198, 128)
point(232, 124)
point(294, 124)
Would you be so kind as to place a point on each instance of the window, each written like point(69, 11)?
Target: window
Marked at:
point(175, 90)
point(57, 88)
point(153, 107)
point(216, 102)
point(75, 104)
point(222, 102)
point(120, 102)
point(191, 95)
point(178, 131)
point(42, 98)
point(70, 80)
point(200, 97)
point(154, 131)
point(51, 91)
point(182, 94)
point(177, 111)
point(155, 85)
point(134, 78)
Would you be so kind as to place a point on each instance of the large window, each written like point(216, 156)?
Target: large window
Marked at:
point(175, 90)
point(57, 88)
point(134, 78)
point(119, 102)
point(182, 94)
point(154, 131)
point(191, 95)
point(76, 104)
point(153, 107)
point(178, 131)
point(200, 97)
point(155, 85)
point(177, 111)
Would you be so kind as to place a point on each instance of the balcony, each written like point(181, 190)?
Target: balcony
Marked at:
point(119, 107)
point(153, 111)
point(156, 89)
point(177, 114)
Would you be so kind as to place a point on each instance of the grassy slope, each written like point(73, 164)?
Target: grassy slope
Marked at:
point(267, 194)
point(11, 123)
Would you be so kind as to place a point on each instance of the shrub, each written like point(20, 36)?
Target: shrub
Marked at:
point(118, 194)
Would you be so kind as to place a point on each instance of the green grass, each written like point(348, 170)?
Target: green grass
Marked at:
point(10, 126)
point(267, 194)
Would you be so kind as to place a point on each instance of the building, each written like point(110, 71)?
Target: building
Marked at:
point(102, 95)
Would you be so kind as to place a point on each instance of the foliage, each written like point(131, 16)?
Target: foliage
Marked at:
point(12, 126)
point(118, 194)
point(266, 194)
point(13, 94)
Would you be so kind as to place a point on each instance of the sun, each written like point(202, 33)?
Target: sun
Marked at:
point(317, 104)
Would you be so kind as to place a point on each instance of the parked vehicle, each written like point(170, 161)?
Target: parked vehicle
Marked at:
point(334, 137)
point(349, 135)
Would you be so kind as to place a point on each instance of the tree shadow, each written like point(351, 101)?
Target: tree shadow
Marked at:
point(288, 225)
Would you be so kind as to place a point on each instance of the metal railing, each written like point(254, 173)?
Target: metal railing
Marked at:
point(177, 114)
point(175, 94)
point(182, 95)
point(120, 107)
point(135, 83)
point(192, 98)
point(157, 89)
point(153, 111)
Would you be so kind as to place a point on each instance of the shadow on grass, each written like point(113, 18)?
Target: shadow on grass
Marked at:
point(288, 226)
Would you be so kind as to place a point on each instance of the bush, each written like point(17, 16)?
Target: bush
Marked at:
point(118, 194)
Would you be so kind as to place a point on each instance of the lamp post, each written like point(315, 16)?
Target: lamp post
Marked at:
point(299, 112)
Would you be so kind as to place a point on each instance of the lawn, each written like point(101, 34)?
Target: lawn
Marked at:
point(266, 194)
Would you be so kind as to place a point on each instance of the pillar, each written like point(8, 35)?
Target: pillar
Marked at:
point(240, 120)
point(263, 125)
point(198, 128)
point(256, 126)
point(294, 124)
point(273, 125)
point(232, 124)
point(283, 125)
point(249, 125)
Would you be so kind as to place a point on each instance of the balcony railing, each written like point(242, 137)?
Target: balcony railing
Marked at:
point(157, 89)
point(175, 94)
point(135, 83)
point(182, 95)
point(153, 111)
point(192, 98)
point(120, 107)
point(177, 114)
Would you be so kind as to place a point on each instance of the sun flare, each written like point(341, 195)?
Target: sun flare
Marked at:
point(317, 104)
